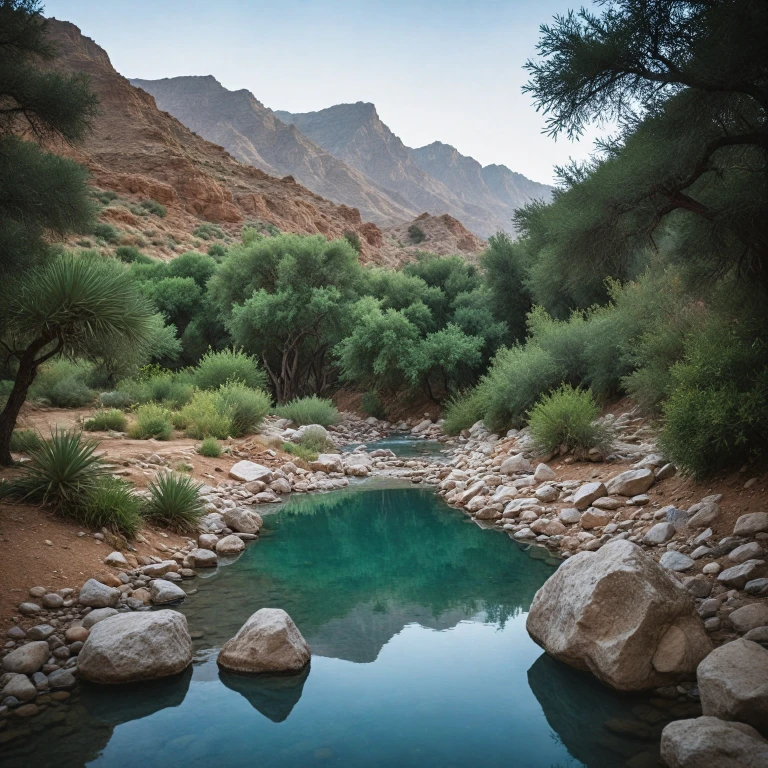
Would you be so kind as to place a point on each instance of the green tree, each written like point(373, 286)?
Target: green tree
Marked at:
point(71, 305)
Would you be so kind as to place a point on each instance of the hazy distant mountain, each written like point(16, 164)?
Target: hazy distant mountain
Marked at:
point(436, 178)
point(253, 134)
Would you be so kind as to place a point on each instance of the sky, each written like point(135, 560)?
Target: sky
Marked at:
point(447, 71)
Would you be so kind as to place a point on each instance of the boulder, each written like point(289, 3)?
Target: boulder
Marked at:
point(569, 515)
point(749, 525)
point(544, 474)
point(280, 485)
point(588, 493)
point(676, 561)
point(659, 534)
point(750, 551)
point(733, 683)
point(583, 616)
point(162, 592)
point(155, 570)
point(207, 540)
point(268, 642)
point(514, 465)
point(595, 518)
point(243, 520)
point(357, 464)
point(20, 687)
point(202, 558)
point(704, 514)
point(28, 659)
point(116, 559)
point(97, 615)
point(631, 483)
point(547, 493)
point(738, 576)
point(327, 462)
point(230, 545)
point(247, 471)
point(316, 430)
point(136, 646)
point(94, 594)
point(706, 742)
point(749, 617)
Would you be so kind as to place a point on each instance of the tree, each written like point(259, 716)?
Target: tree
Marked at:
point(40, 194)
point(687, 82)
point(71, 305)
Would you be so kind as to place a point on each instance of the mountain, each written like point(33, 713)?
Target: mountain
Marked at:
point(442, 235)
point(139, 152)
point(436, 178)
point(253, 134)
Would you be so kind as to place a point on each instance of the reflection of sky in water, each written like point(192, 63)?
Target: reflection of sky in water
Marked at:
point(416, 618)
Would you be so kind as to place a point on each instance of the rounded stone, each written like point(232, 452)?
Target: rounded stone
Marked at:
point(52, 601)
point(230, 545)
point(29, 609)
point(27, 659)
point(76, 634)
point(97, 615)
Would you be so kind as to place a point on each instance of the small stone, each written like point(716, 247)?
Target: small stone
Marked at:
point(594, 518)
point(749, 617)
point(757, 587)
point(62, 679)
point(749, 551)
point(207, 541)
point(752, 523)
point(705, 515)
point(163, 592)
point(38, 592)
point(29, 609)
point(738, 576)
point(711, 569)
point(116, 559)
point(569, 515)
point(588, 493)
point(16, 633)
point(40, 632)
point(97, 615)
point(659, 534)
point(52, 601)
point(712, 624)
point(27, 659)
point(230, 545)
point(202, 558)
point(675, 561)
point(19, 687)
point(94, 594)
point(543, 474)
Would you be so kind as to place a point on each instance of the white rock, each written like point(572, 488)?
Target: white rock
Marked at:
point(543, 474)
point(631, 483)
point(136, 646)
point(230, 545)
point(327, 462)
point(588, 493)
point(243, 520)
point(116, 559)
point(247, 471)
point(94, 594)
point(268, 642)
point(27, 659)
point(97, 615)
point(514, 465)
point(675, 561)
point(659, 534)
point(202, 558)
point(749, 525)
point(162, 591)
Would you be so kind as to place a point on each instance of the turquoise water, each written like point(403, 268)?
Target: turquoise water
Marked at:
point(416, 620)
point(406, 447)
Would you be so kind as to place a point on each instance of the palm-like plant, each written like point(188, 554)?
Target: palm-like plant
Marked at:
point(174, 502)
point(72, 305)
point(61, 472)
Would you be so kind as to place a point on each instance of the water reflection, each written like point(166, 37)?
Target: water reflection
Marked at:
point(274, 696)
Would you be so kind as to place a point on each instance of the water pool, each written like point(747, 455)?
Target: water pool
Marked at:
point(407, 447)
point(416, 620)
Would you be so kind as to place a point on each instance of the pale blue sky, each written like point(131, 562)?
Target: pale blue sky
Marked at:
point(448, 71)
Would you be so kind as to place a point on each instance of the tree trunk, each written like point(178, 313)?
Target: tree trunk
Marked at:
point(28, 365)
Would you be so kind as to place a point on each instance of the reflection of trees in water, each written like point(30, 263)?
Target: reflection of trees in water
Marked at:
point(396, 551)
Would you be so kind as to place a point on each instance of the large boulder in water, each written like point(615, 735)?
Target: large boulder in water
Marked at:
point(268, 642)
point(617, 614)
point(706, 742)
point(136, 646)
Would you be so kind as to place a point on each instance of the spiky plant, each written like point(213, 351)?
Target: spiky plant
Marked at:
point(174, 502)
point(111, 504)
point(60, 472)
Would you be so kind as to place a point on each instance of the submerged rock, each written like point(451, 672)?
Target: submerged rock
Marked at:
point(617, 614)
point(706, 742)
point(268, 642)
point(136, 646)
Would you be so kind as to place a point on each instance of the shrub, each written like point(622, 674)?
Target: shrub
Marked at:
point(228, 365)
point(416, 234)
point(246, 407)
point(568, 417)
point(130, 254)
point(104, 421)
point(24, 440)
point(174, 502)
point(354, 240)
point(210, 447)
point(114, 399)
point(300, 451)
point(110, 504)
point(106, 232)
point(152, 206)
point(105, 197)
point(60, 472)
point(309, 410)
point(62, 383)
point(152, 421)
point(217, 251)
point(372, 405)
point(205, 416)
point(173, 389)
point(314, 439)
point(463, 411)
point(208, 232)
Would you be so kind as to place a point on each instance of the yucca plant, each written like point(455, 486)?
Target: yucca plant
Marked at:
point(111, 504)
point(174, 502)
point(60, 472)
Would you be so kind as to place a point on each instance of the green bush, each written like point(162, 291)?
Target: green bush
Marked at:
point(174, 502)
point(463, 411)
point(244, 406)
point(25, 440)
point(309, 410)
point(130, 254)
point(104, 421)
point(416, 234)
point(208, 232)
point(105, 197)
point(568, 417)
point(228, 365)
point(300, 451)
point(110, 504)
point(62, 384)
point(206, 415)
point(217, 251)
point(314, 439)
point(717, 414)
point(172, 389)
point(60, 472)
point(106, 232)
point(114, 399)
point(354, 240)
point(372, 405)
point(152, 206)
point(152, 421)
point(210, 447)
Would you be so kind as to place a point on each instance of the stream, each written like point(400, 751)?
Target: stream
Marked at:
point(416, 620)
